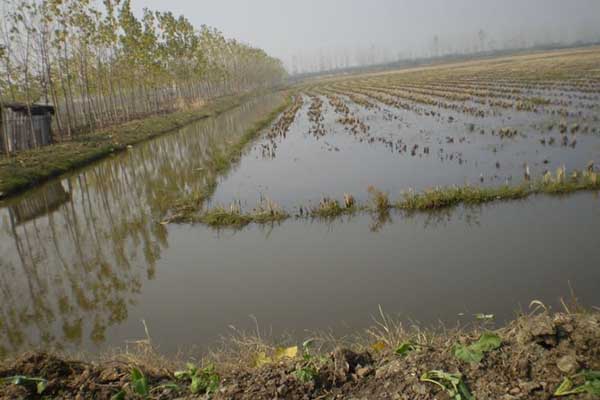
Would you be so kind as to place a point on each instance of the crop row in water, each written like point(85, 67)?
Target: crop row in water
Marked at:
point(350, 121)
point(564, 85)
point(287, 118)
point(357, 99)
point(221, 161)
point(437, 198)
point(481, 89)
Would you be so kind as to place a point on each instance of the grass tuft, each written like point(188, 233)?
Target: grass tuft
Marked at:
point(380, 200)
point(331, 208)
point(233, 216)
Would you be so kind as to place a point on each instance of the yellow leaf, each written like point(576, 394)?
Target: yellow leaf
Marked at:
point(378, 346)
point(290, 352)
point(262, 359)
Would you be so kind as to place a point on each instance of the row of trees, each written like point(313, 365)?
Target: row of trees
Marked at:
point(99, 64)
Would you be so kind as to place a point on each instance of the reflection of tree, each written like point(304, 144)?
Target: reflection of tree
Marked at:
point(380, 219)
point(435, 219)
point(74, 255)
point(40, 203)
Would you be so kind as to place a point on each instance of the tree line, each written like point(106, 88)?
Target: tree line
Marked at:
point(99, 64)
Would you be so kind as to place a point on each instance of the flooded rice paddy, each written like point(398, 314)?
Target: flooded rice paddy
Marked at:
point(85, 258)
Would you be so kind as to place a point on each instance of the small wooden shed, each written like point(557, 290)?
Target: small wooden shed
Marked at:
point(24, 127)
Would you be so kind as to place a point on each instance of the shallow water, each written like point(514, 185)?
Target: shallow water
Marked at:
point(83, 259)
point(309, 167)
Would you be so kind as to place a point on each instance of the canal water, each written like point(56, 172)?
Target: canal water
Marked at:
point(84, 259)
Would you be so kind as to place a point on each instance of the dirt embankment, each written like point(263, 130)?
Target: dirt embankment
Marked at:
point(531, 360)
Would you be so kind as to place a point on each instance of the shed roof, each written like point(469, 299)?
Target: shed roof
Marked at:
point(36, 109)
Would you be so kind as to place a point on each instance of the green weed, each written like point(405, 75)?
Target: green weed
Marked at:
point(205, 380)
point(406, 347)
point(139, 383)
point(589, 382)
point(308, 370)
point(37, 385)
point(453, 384)
point(474, 353)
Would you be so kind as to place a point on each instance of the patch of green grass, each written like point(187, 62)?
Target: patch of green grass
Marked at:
point(308, 369)
point(406, 347)
point(221, 216)
point(139, 387)
point(451, 196)
point(473, 195)
point(266, 212)
point(205, 380)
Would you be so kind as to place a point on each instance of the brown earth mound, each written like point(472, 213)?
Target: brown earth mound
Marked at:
point(534, 357)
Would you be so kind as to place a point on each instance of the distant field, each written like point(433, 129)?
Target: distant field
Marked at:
point(514, 125)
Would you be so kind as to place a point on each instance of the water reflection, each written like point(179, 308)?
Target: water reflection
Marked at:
point(83, 259)
point(74, 253)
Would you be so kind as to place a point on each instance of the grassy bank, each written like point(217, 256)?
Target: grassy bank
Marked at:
point(537, 356)
point(380, 202)
point(29, 168)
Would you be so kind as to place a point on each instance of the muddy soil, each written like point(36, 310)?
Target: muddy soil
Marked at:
point(536, 354)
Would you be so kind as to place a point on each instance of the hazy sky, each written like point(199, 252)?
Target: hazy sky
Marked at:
point(285, 28)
